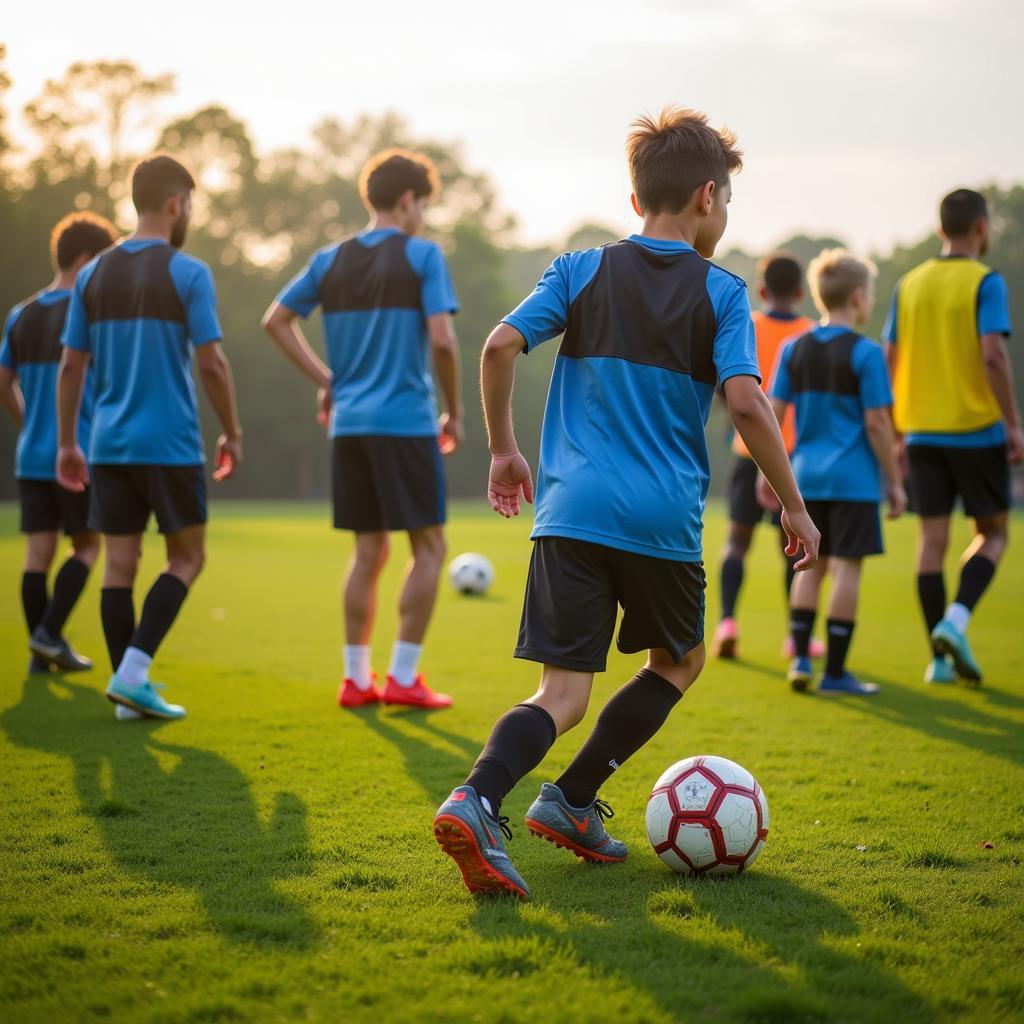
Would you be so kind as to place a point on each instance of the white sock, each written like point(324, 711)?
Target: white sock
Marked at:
point(134, 667)
point(958, 615)
point(357, 665)
point(404, 660)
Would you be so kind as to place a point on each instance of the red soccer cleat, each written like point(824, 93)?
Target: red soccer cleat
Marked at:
point(419, 695)
point(350, 696)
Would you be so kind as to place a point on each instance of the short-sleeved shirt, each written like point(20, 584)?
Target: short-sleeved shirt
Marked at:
point(832, 375)
point(139, 309)
point(650, 327)
point(376, 291)
point(991, 316)
point(31, 349)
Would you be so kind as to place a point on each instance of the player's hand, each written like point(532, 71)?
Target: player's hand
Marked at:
point(72, 469)
point(899, 450)
point(766, 497)
point(452, 433)
point(802, 532)
point(228, 457)
point(897, 495)
point(323, 407)
point(1015, 445)
point(509, 475)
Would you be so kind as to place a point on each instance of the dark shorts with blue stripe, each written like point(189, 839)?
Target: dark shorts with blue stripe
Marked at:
point(124, 497)
point(384, 483)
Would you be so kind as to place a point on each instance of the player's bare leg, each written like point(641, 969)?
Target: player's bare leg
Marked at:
point(360, 602)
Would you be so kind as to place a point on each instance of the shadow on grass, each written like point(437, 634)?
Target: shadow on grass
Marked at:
point(175, 815)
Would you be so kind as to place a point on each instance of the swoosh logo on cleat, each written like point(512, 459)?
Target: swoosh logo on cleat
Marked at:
point(580, 825)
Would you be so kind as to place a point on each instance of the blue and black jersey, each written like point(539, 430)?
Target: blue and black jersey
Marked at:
point(139, 309)
point(376, 291)
point(649, 328)
point(31, 349)
point(832, 375)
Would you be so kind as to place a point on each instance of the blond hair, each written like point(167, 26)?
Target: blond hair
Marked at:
point(835, 274)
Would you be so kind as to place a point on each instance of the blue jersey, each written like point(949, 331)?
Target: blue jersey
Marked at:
point(376, 291)
point(139, 309)
point(31, 349)
point(832, 375)
point(649, 328)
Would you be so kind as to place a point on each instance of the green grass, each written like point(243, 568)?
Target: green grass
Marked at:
point(271, 857)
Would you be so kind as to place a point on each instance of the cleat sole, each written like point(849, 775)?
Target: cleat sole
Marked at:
point(967, 672)
point(144, 711)
point(728, 649)
point(542, 831)
point(456, 839)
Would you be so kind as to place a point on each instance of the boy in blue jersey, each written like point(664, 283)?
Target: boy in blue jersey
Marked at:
point(650, 327)
point(838, 381)
point(387, 303)
point(29, 356)
point(137, 313)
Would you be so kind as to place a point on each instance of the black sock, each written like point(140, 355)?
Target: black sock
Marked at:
point(117, 611)
point(159, 610)
point(33, 598)
point(975, 577)
point(790, 562)
point(931, 592)
point(629, 719)
point(732, 580)
point(801, 625)
point(67, 588)
point(840, 633)
point(517, 744)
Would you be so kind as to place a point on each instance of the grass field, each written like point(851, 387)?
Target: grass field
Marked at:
point(271, 857)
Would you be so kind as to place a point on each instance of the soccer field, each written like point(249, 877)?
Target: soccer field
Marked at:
point(272, 858)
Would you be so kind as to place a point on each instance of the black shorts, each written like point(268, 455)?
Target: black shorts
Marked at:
point(849, 529)
point(124, 496)
point(743, 506)
point(46, 506)
point(573, 594)
point(979, 476)
point(387, 483)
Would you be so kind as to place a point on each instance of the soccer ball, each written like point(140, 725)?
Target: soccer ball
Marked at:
point(471, 574)
point(707, 816)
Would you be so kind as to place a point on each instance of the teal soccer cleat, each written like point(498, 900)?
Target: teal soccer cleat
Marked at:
point(473, 839)
point(948, 640)
point(800, 674)
point(940, 671)
point(579, 829)
point(145, 699)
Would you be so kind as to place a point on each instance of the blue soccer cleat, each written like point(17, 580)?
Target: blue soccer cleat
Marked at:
point(939, 670)
point(846, 683)
point(145, 699)
point(948, 640)
point(800, 673)
point(579, 829)
point(473, 839)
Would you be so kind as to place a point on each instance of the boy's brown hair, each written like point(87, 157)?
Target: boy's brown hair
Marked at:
point(781, 275)
point(77, 234)
point(388, 175)
point(673, 155)
point(835, 274)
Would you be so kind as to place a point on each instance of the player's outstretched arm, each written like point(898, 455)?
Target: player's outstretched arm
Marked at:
point(72, 469)
point(445, 348)
point(756, 423)
point(881, 437)
point(999, 370)
point(219, 384)
point(510, 474)
point(11, 397)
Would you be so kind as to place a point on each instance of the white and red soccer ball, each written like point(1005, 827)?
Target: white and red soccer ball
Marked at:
point(707, 816)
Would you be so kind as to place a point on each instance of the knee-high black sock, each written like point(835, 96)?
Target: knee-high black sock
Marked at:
point(117, 612)
point(840, 633)
point(632, 716)
point(801, 625)
point(790, 572)
point(931, 592)
point(67, 588)
point(159, 610)
point(33, 598)
point(517, 744)
point(975, 577)
point(732, 580)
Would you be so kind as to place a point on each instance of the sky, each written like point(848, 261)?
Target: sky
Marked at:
point(854, 117)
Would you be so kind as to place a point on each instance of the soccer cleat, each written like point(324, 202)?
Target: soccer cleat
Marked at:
point(579, 829)
point(800, 673)
point(939, 670)
point(143, 699)
point(58, 651)
point(419, 695)
point(816, 648)
point(846, 683)
point(727, 640)
point(352, 696)
point(473, 839)
point(38, 666)
point(948, 640)
point(126, 714)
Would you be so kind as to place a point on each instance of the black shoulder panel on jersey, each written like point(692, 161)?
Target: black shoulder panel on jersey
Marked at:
point(824, 366)
point(364, 277)
point(134, 284)
point(35, 336)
